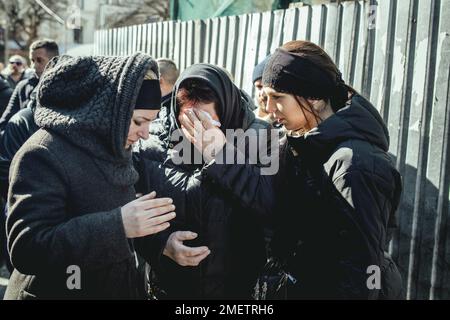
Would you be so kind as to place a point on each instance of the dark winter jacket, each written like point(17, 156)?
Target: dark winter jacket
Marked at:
point(233, 234)
point(166, 100)
point(5, 94)
point(336, 197)
point(19, 99)
point(70, 179)
point(12, 83)
point(19, 128)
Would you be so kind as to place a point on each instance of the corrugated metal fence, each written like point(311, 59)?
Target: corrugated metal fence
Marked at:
point(395, 52)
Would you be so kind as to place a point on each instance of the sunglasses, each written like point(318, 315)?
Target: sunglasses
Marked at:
point(18, 63)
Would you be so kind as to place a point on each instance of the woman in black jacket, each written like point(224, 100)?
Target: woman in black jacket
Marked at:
point(72, 207)
point(229, 242)
point(337, 190)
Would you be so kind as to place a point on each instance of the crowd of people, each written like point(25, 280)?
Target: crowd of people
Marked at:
point(154, 184)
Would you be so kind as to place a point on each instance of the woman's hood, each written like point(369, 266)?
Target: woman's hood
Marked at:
point(90, 100)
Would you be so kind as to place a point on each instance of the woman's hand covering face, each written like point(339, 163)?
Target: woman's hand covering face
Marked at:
point(202, 133)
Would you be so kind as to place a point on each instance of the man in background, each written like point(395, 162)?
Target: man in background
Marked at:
point(260, 96)
point(15, 71)
point(168, 76)
point(41, 51)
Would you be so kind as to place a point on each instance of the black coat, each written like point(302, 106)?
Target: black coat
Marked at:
point(12, 83)
point(63, 214)
point(19, 128)
point(5, 94)
point(19, 99)
point(336, 197)
point(69, 181)
point(232, 232)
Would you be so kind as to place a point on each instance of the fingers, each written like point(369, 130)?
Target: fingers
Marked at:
point(187, 123)
point(185, 235)
point(155, 212)
point(187, 126)
point(155, 229)
point(193, 252)
point(159, 220)
point(154, 203)
point(195, 261)
point(148, 196)
point(188, 135)
point(184, 255)
point(192, 116)
point(206, 122)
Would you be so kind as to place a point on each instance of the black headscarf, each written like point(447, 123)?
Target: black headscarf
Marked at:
point(149, 97)
point(235, 106)
point(291, 73)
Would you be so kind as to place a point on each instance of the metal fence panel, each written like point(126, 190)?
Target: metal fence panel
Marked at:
point(290, 25)
point(439, 156)
point(277, 30)
point(251, 49)
point(244, 25)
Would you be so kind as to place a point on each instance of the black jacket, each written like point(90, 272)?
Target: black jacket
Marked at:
point(336, 197)
point(19, 128)
point(233, 233)
point(166, 100)
point(5, 94)
point(69, 181)
point(19, 99)
point(12, 83)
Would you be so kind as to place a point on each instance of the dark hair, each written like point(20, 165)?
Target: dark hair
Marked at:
point(315, 54)
point(49, 45)
point(168, 70)
point(194, 91)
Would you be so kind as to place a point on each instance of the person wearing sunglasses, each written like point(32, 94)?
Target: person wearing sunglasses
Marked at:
point(16, 70)
point(41, 52)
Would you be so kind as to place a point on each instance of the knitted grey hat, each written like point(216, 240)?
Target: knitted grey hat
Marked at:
point(90, 101)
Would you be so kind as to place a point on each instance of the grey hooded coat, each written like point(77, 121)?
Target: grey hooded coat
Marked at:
point(69, 180)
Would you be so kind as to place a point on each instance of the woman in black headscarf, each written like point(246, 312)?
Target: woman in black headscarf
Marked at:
point(226, 245)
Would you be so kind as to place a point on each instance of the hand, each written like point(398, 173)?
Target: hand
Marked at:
point(206, 137)
point(147, 215)
point(184, 255)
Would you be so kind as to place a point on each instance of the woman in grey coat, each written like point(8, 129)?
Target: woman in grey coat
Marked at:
point(72, 206)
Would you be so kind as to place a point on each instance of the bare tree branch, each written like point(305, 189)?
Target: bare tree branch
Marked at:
point(150, 9)
point(25, 17)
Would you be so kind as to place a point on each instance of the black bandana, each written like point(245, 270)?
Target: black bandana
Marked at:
point(290, 73)
point(149, 97)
